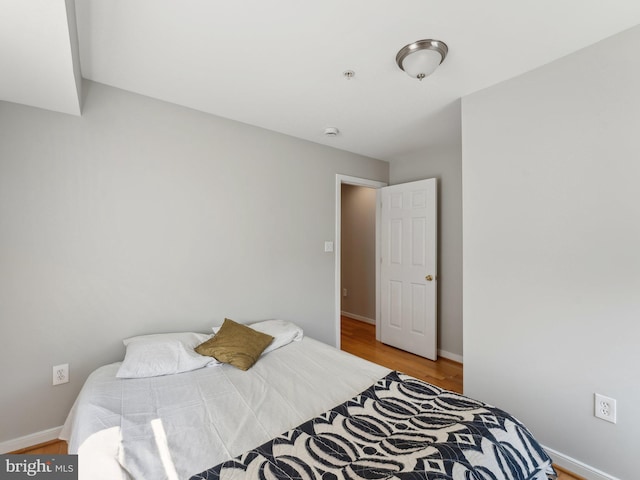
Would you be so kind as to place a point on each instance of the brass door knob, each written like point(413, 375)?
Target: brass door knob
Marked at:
point(428, 278)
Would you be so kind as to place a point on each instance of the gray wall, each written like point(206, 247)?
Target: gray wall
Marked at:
point(358, 251)
point(551, 203)
point(142, 216)
point(443, 162)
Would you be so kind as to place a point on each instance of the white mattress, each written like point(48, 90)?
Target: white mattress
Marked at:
point(176, 426)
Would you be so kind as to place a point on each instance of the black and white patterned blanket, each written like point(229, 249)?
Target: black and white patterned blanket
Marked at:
point(401, 427)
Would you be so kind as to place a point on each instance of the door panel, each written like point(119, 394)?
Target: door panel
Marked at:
point(408, 222)
point(395, 304)
point(418, 301)
point(418, 238)
point(396, 242)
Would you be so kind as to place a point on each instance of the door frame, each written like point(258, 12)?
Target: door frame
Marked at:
point(361, 182)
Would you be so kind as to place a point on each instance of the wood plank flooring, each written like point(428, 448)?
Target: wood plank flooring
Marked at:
point(54, 447)
point(359, 339)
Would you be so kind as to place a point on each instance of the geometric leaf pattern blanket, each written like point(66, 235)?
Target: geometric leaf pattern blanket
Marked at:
point(401, 428)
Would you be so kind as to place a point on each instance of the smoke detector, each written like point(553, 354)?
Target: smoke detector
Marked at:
point(331, 132)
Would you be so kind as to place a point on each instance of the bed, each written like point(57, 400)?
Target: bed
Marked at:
point(303, 410)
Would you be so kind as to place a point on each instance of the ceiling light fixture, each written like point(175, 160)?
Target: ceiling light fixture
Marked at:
point(331, 132)
point(420, 59)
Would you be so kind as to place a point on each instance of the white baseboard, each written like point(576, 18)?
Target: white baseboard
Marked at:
point(30, 440)
point(358, 317)
point(450, 356)
point(577, 467)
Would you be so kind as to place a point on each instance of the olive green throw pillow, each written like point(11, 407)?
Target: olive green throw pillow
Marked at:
point(235, 344)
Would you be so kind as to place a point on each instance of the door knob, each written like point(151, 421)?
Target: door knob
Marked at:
point(428, 278)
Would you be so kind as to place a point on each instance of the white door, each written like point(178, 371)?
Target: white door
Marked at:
point(408, 276)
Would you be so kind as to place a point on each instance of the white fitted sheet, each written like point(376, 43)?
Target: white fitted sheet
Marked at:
point(176, 426)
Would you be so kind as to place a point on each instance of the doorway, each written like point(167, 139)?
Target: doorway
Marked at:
point(402, 293)
point(371, 275)
point(358, 247)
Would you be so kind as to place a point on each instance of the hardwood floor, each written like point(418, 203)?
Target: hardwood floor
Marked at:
point(359, 339)
point(54, 447)
point(566, 475)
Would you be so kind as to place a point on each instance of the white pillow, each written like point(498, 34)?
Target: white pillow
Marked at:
point(163, 354)
point(282, 331)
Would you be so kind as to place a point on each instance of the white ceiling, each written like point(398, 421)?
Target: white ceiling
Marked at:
point(279, 64)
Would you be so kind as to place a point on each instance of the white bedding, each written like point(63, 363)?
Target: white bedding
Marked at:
point(175, 426)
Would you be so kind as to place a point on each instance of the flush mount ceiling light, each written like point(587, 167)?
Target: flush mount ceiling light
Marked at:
point(420, 59)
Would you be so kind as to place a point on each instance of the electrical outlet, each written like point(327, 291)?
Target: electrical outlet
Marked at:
point(61, 374)
point(344, 292)
point(605, 408)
